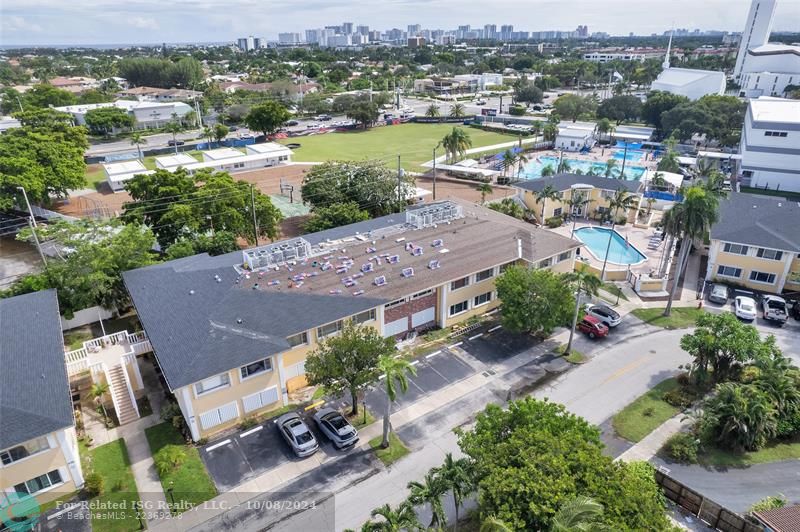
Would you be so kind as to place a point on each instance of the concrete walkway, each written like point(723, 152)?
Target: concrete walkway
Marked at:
point(649, 446)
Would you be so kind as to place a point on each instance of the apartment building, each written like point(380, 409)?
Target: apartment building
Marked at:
point(38, 447)
point(770, 145)
point(756, 244)
point(231, 333)
point(597, 189)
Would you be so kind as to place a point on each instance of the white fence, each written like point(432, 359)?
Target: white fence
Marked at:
point(85, 317)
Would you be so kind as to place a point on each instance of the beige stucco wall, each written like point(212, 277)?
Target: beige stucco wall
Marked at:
point(36, 465)
point(594, 195)
point(749, 263)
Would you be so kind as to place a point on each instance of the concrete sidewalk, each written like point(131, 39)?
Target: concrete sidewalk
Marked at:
point(649, 446)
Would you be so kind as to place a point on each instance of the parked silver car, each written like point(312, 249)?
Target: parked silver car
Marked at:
point(718, 294)
point(607, 315)
point(297, 434)
point(336, 428)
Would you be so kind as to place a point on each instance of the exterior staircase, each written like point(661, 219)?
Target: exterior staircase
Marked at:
point(119, 389)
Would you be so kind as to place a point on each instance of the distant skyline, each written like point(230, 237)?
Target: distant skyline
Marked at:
point(65, 22)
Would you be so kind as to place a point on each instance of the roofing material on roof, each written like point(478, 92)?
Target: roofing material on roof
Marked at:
point(34, 390)
point(564, 181)
point(762, 221)
point(786, 519)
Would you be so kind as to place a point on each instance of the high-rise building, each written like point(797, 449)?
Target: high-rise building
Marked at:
point(339, 40)
point(247, 44)
point(374, 35)
point(416, 42)
point(289, 38)
point(312, 36)
point(362, 30)
point(347, 28)
point(490, 31)
point(394, 34)
point(756, 31)
point(413, 30)
point(256, 43)
point(505, 32)
point(462, 31)
point(582, 32)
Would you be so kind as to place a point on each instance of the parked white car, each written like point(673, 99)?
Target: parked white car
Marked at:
point(744, 308)
point(774, 308)
point(605, 314)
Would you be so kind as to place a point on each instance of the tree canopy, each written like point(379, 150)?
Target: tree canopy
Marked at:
point(267, 117)
point(572, 106)
point(103, 120)
point(718, 117)
point(186, 72)
point(620, 108)
point(335, 215)
point(659, 102)
point(535, 301)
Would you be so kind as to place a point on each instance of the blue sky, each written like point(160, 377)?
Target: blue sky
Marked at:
point(154, 21)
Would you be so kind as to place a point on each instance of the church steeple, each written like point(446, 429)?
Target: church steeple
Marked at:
point(665, 64)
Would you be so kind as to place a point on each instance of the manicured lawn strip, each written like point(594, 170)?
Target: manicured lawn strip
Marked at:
point(190, 481)
point(391, 454)
point(111, 462)
point(574, 356)
point(358, 421)
point(774, 452)
point(611, 288)
point(679, 318)
point(413, 142)
point(631, 422)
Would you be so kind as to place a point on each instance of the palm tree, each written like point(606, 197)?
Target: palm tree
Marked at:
point(394, 371)
point(583, 282)
point(457, 478)
point(174, 127)
point(740, 415)
point(547, 193)
point(548, 171)
point(394, 520)
point(457, 111)
point(550, 131)
point(611, 164)
point(494, 524)
point(576, 199)
point(456, 143)
point(430, 492)
point(485, 188)
point(98, 391)
point(521, 160)
point(208, 134)
point(650, 202)
point(577, 515)
point(138, 139)
point(508, 160)
point(563, 166)
point(704, 167)
point(509, 207)
point(604, 126)
point(622, 200)
point(432, 111)
point(688, 220)
point(658, 180)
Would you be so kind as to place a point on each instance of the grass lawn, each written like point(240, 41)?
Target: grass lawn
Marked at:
point(190, 480)
point(413, 142)
point(391, 454)
point(111, 462)
point(362, 419)
point(647, 412)
point(574, 356)
point(611, 288)
point(679, 318)
point(774, 452)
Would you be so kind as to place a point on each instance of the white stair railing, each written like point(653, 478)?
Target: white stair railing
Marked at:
point(130, 391)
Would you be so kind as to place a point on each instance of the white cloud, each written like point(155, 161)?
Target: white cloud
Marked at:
point(18, 24)
point(144, 23)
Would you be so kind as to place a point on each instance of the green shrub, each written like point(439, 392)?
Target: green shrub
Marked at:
point(516, 110)
point(682, 447)
point(788, 425)
point(678, 398)
point(648, 412)
point(769, 503)
point(248, 423)
point(554, 221)
point(93, 484)
point(683, 379)
point(169, 458)
point(170, 410)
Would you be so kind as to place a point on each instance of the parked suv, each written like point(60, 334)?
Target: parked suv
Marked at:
point(607, 315)
point(593, 327)
point(718, 294)
point(774, 308)
point(297, 434)
point(336, 428)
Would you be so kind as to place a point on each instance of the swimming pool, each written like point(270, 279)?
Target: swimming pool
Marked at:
point(620, 252)
point(533, 168)
point(632, 155)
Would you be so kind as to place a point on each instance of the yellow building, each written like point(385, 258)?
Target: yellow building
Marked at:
point(597, 190)
point(756, 244)
point(38, 447)
point(231, 333)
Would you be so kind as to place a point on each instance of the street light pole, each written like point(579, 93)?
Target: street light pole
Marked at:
point(434, 170)
point(28, 203)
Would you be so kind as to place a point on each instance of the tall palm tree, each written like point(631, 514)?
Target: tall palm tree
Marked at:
point(494, 524)
point(577, 515)
point(456, 143)
point(138, 139)
point(430, 491)
point(485, 188)
point(548, 171)
point(521, 160)
point(704, 167)
point(174, 127)
point(547, 193)
point(563, 166)
point(576, 199)
point(622, 200)
point(208, 134)
point(458, 479)
point(433, 111)
point(550, 131)
point(97, 392)
point(688, 220)
point(508, 161)
point(395, 376)
point(394, 520)
point(458, 111)
point(583, 282)
point(611, 164)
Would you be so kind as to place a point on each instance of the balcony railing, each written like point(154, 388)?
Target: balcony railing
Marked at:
point(80, 360)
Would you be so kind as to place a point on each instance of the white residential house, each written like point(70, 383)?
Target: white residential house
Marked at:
point(147, 115)
point(770, 145)
point(117, 174)
point(574, 136)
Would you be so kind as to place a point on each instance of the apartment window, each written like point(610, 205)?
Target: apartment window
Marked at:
point(458, 308)
point(775, 133)
point(564, 256)
point(770, 254)
point(557, 212)
point(602, 210)
point(298, 339)
point(736, 249)
point(25, 450)
point(545, 263)
point(368, 315)
point(747, 173)
point(251, 370)
point(223, 380)
point(459, 283)
point(762, 277)
point(40, 483)
point(506, 266)
point(422, 294)
point(729, 271)
point(394, 303)
point(485, 274)
point(329, 329)
point(482, 299)
point(238, 165)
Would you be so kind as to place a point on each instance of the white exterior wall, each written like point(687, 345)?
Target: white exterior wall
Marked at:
point(755, 84)
point(755, 32)
point(771, 162)
point(695, 90)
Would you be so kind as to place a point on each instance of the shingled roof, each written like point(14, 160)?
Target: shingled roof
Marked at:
point(565, 181)
point(34, 390)
point(763, 221)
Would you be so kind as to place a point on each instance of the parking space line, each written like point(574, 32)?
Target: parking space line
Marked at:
point(454, 345)
point(424, 393)
point(251, 431)
point(414, 363)
point(476, 336)
point(439, 352)
point(217, 445)
point(448, 381)
point(495, 328)
point(61, 512)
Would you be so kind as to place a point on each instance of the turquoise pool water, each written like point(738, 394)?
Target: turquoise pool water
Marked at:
point(533, 168)
point(632, 155)
point(620, 252)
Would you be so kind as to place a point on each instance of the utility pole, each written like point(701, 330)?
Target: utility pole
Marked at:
point(20, 104)
point(434, 170)
point(399, 185)
point(36, 239)
point(253, 208)
point(28, 203)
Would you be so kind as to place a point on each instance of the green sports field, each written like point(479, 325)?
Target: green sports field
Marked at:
point(413, 142)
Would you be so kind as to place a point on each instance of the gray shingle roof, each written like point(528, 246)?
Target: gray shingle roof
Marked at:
point(562, 182)
point(762, 221)
point(34, 390)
